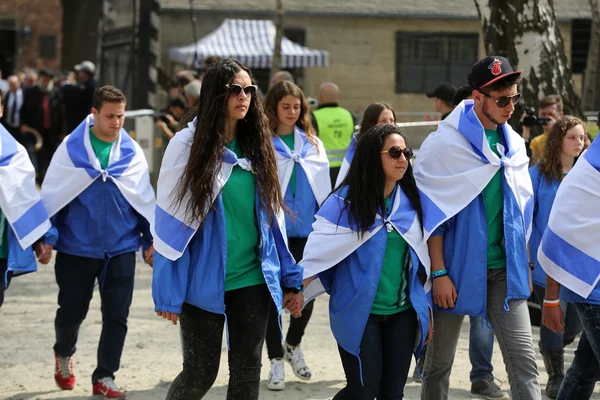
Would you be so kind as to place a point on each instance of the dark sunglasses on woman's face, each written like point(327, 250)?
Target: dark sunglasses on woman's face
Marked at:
point(503, 101)
point(236, 89)
point(395, 152)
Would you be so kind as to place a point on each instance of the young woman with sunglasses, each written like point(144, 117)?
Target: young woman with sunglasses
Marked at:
point(375, 114)
point(220, 255)
point(566, 141)
point(303, 170)
point(368, 252)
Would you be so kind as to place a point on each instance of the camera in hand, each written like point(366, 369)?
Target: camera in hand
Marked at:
point(531, 119)
point(161, 117)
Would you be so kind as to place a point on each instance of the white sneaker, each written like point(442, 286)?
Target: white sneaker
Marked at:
point(295, 357)
point(277, 375)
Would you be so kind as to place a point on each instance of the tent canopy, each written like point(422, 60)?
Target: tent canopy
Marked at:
point(252, 43)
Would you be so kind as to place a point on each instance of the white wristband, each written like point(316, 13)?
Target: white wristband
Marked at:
point(551, 301)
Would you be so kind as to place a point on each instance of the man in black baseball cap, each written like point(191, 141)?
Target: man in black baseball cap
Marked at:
point(474, 167)
point(443, 96)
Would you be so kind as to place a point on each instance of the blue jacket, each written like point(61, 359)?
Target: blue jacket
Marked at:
point(198, 276)
point(100, 223)
point(544, 193)
point(21, 261)
point(303, 206)
point(352, 285)
point(465, 254)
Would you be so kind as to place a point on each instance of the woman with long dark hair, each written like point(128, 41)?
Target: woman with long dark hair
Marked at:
point(566, 141)
point(369, 253)
point(375, 114)
point(220, 255)
point(303, 170)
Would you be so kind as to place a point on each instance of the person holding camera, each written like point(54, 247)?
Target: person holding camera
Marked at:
point(550, 110)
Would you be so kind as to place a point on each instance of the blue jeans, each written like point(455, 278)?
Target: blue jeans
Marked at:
point(481, 349)
point(385, 351)
point(552, 341)
point(583, 374)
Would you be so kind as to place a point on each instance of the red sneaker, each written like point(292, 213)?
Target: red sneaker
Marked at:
point(63, 372)
point(107, 388)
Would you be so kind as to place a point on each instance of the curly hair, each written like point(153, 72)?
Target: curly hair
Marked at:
point(274, 96)
point(253, 136)
point(549, 164)
point(371, 117)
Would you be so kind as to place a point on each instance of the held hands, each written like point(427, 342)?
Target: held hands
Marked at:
point(149, 255)
point(444, 292)
point(43, 252)
point(168, 316)
point(294, 302)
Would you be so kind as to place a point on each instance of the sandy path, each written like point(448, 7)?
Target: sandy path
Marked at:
point(152, 356)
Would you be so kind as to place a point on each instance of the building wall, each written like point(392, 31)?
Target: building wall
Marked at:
point(44, 17)
point(362, 51)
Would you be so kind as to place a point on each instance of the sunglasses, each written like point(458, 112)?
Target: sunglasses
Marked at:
point(236, 89)
point(503, 101)
point(395, 152)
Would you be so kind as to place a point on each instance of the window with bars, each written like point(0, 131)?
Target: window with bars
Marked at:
point(424, 60)
point(580, 42)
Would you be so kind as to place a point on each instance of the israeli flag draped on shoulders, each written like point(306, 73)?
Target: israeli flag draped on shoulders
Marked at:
point(75, 167)
point(569, 252)
point(172, 230)
point(347, 160)
point(333, 239)
point(455, 163)
point(311, 158)
point(19, 199)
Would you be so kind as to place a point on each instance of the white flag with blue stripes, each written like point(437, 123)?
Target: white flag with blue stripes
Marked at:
point(19, 199)
point(173, 230)
point(333, 238)
point(570, 250)
point(455, 163)
point(347, 161)
point(75, 166)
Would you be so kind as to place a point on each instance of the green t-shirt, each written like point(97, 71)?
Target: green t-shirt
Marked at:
point(243, 263)
point(101, 148)
point(393, 292)
point(493, 199)
point(289, 142)
point(3, 237)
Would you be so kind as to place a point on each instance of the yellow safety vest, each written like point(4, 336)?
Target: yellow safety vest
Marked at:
point(336, 126)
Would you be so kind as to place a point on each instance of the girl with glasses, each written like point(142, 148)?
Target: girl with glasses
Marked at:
point(303, 170)
point(221, 258)
point(566, 141)
point(375, 114)
point(368, 252)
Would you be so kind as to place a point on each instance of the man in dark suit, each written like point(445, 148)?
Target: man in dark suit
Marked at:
point(41, 112)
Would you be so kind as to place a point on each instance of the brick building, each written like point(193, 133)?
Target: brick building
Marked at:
point(30, 34)
point(393, 51)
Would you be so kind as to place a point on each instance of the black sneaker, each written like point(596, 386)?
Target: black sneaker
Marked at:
point(485, 389)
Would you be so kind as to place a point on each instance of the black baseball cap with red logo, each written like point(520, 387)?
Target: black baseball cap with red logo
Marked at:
point(489, 70)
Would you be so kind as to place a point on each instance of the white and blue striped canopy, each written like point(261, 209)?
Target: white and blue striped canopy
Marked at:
point(252, 43)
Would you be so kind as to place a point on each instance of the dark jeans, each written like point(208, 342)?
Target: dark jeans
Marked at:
point(3, 276)
point(481, 349)
point(76, 278)
point(552, 341)
point(385, 351)
point(583, 374)
point(297, 325)
point(247, 311)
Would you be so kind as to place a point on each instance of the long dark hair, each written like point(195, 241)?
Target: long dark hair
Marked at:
point(274, 96)
point(366, 180)
point(253, 136)
point(549, 164)
point(371, 117)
